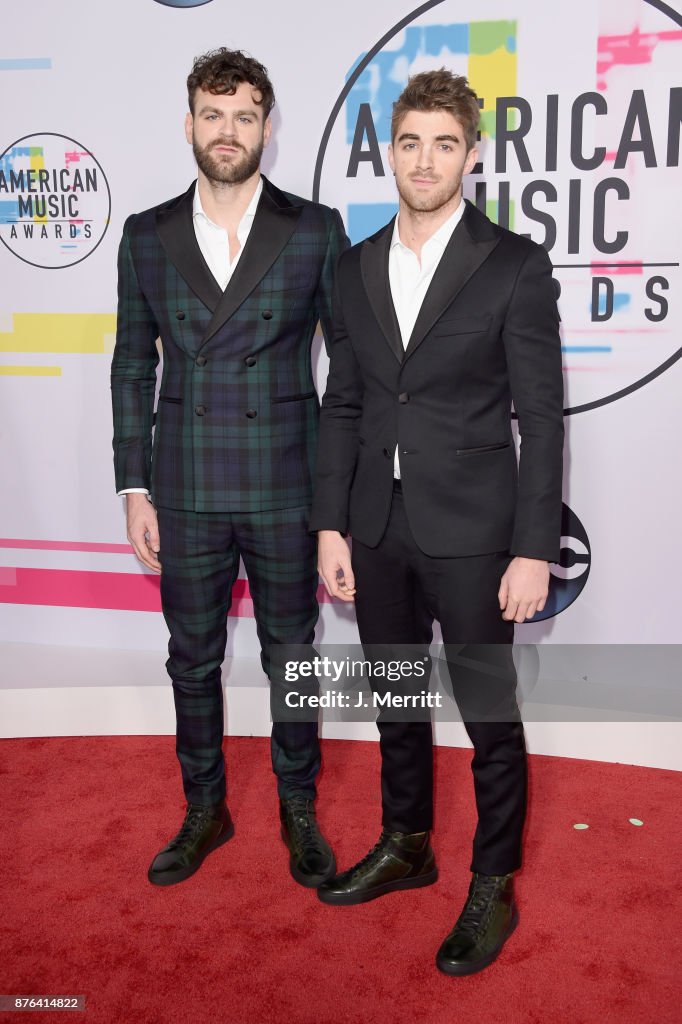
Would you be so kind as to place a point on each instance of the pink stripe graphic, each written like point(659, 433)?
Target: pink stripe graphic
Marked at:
point(65, 545)
point(68, 588)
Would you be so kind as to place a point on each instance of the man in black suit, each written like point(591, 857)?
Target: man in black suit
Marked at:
point(442, 319)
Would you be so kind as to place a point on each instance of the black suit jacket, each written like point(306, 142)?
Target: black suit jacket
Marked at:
point(487, 333)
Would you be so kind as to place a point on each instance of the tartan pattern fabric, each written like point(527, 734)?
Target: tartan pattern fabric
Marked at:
point(236, 423)
point(200, 559)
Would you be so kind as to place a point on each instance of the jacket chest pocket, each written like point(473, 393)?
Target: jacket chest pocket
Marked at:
point(462, 325)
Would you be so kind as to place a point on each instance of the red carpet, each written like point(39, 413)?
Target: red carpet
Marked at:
point(599, 939)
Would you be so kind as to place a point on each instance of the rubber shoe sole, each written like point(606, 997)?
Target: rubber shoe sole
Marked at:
point(172, 878)
point(352, 899)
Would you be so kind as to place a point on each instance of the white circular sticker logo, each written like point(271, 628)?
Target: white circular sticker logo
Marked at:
point(581, 133)
point(55, 201)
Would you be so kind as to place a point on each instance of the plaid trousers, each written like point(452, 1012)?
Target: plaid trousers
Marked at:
point(200, 560)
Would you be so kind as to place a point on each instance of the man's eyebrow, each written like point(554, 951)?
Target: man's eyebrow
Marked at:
point(438, 138)
point(235, 113)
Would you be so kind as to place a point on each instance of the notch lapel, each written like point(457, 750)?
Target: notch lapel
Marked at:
point(374, 269)
point(471, 243)
point(273, 226)
point(176, 232)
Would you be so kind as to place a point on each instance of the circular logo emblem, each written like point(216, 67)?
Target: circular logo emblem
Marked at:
point(568, 577)
point(183, 3)
point(580, 154)
point(54, 200)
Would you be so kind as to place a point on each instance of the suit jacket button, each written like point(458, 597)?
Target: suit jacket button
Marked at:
point(200, 410)
point(201, 360)
point(387, 453)
point(180, 315)
point(267, 314)
point(403, 398)
point(251, 414)
point(250, 360)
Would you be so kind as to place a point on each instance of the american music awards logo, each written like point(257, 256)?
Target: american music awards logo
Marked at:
point(55, 201)
point(580, 149)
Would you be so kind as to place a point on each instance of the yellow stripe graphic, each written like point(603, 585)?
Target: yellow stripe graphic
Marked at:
point(30, 371)
point(86, 333)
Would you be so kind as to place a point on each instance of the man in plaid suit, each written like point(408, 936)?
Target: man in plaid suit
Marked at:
point(233, 277)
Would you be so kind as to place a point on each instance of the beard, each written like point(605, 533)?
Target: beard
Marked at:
point(224, 169)
point(434, 200)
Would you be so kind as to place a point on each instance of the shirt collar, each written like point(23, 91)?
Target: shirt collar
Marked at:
point(249, 213)
point(441, 237)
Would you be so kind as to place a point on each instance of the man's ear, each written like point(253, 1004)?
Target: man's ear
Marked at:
point(471, 160)
point(267, 130)
point(189, 128)
point(391, 161)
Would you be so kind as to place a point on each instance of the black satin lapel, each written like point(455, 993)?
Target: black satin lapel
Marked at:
point(175, 228)
point(374, 268)
point(460, 261)
point(272, 228)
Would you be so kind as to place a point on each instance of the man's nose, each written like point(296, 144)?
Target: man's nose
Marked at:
point(425, 160)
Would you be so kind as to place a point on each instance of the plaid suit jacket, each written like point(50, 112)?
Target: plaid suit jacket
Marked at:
point(236, 422)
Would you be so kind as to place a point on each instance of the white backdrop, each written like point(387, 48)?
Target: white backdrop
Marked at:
point(100, 90)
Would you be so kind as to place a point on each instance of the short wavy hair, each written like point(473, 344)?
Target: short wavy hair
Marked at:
point(439, 90)
point(221, 71)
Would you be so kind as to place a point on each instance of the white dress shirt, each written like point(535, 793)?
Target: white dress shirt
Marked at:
point(409, 279)
point(214, 242)
point(215, 248)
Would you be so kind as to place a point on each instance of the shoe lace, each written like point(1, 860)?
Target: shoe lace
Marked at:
point(302, 823)
point(195, 819)
point(480, 903)
point(370, 858)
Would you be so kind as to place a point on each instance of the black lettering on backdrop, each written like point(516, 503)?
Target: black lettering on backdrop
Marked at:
point(599, 283)
point(621, 189)
point(364, 128)
point(651, 314)
point(505, 134)
point(578, 158)
point(636, 117)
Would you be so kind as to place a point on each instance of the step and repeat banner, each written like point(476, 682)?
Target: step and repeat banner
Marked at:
point(580, 150)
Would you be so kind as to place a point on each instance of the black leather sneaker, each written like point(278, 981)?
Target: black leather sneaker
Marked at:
point(398, 861)
point(311, 859)
point(486, 922)
point(203, 830)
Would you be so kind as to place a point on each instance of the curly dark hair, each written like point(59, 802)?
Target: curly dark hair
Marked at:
point(439, 90)
point(221, 71)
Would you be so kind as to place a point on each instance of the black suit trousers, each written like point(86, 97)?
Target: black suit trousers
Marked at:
point(400, 591)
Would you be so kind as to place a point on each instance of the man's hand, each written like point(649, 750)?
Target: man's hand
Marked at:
point(333, 565)
point(143, 530)
point(523, 589)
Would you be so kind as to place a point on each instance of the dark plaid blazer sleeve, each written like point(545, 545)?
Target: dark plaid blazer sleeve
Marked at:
point(337, 242)
point(133, 374)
